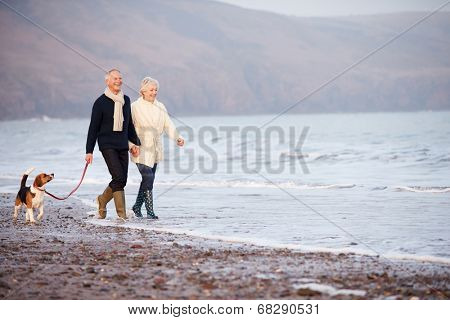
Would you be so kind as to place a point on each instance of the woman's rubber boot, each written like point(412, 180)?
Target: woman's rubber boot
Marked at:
point(148, 198)
point(119, 201)
point(102, 200)
point(138, 204)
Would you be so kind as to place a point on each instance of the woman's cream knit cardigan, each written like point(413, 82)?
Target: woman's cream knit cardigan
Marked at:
point(151, 120)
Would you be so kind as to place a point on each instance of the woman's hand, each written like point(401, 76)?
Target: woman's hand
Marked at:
point(134, 151)
point(180, 142)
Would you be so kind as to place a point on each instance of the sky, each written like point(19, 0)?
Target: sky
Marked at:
point(338, 7)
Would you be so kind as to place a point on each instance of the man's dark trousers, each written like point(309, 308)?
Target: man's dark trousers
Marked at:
point(117, 162)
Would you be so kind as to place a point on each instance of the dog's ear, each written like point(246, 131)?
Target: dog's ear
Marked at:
point(39, 181)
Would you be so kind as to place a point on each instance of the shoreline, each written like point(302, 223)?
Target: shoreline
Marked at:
point(67, 257)
point(138, 225)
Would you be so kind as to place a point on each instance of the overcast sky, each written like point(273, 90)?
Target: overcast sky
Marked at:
point(338, 7)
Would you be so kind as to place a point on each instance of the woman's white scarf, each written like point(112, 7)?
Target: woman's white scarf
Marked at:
point(119, 101)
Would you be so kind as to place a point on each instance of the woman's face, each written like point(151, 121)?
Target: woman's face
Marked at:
point(150, 93)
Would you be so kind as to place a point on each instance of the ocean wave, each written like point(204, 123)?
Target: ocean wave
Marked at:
point(359, 156)
point(379, 188)
point(313, 156)
point(133, 224)
point(44, 118)
point(87, 202)
point(257, 184)
point(88, 181)
point(236, 183)
point(64, 182)
point(423, 189)
point(294, 155)
point(344, 155)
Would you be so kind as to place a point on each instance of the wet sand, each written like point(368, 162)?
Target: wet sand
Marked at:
point(66, 257)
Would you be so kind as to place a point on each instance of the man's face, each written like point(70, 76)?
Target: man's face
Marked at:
point(114, 82)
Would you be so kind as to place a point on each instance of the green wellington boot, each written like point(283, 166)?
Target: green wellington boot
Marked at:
point(102, 200)
point(148, 198)
point(138, 204)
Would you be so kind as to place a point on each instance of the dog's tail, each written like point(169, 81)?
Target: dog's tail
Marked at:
point(25, 177)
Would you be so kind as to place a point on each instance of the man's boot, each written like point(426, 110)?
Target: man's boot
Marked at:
point(119, 201)
point(102, 200)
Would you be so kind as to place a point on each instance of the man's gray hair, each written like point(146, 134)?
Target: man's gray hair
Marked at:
point(146, 82)
point(111, 71)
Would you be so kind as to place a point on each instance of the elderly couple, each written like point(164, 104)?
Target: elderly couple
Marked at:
point(120, 127)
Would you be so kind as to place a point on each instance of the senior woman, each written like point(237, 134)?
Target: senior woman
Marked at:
point(151, 120)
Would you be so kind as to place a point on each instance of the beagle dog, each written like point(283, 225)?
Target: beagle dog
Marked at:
point(32, 197)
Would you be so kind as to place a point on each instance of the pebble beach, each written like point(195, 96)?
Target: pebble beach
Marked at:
point(67, 257)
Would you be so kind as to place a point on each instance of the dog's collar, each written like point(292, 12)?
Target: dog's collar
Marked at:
point(37, 188)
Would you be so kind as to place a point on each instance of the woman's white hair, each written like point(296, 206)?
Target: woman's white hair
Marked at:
point(146, 82)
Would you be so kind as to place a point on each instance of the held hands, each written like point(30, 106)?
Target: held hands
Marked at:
point(134, 151)
point(89, 158)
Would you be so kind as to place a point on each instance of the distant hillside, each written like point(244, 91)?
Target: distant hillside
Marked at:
point(213, 58)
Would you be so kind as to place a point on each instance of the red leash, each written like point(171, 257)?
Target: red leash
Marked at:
point(73, 191)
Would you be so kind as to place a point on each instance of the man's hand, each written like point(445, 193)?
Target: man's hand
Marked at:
point(135, 151)
point(180, 142)
point(89, 158)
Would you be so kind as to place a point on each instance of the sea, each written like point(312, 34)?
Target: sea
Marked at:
point(362, 183)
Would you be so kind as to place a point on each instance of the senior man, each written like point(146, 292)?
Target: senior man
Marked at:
point(112, 125)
